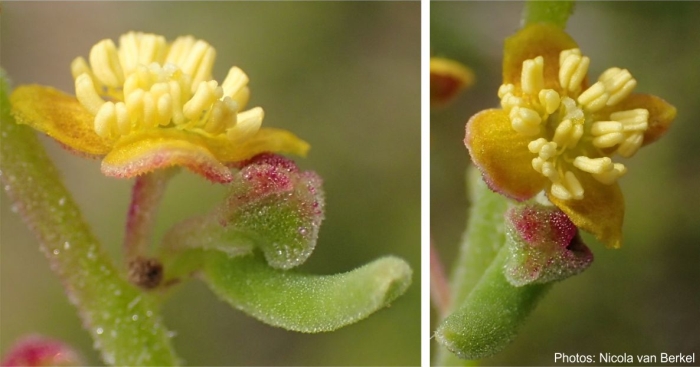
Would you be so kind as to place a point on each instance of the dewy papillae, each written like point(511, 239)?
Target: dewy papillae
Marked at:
point(150, 84)
point(570, 137)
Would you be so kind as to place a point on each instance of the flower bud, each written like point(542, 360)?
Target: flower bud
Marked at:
point(38, 350)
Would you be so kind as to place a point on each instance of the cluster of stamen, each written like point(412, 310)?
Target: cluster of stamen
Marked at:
point(149, 84)
point(567, 139)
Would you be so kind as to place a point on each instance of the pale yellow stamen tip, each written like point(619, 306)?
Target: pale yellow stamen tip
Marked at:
point(595, 97)
point(572, 69)
point(140, 49)
point(105, 64)
point(593, 165)
point(550, 99)
point(248, 124)
point(618, 84)
point(525, 121)
point(611, 175)
point(567, 188)
point(632, 120)
point(235, 86)
point(505, 89)
point(532, 75)
point(112, 120)
point(607, 133)
point(87, 94)
point(206, 94)
point(630, 145)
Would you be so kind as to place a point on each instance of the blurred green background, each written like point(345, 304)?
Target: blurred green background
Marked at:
point(645, 297)
point(343, 76)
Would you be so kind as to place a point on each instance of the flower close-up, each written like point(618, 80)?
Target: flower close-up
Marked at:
point(560, 133)
point(148, 104)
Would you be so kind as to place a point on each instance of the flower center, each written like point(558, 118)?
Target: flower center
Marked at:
point(571, 130)
point(149, 84)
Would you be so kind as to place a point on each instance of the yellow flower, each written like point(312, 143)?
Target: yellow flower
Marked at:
point(557, 133)
point(447, 79)
point(149, 104)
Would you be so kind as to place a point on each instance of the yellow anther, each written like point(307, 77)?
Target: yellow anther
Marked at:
point(567, 188)
point(610, 176)
point(595, 97)
point(572, 111)
point(574, 186)
point(549, 171)
point(550, 100)
point(509, 101)
point(105, 64)
point(537, 163)
point(593, 165)
point(505, 89)
point(206, 94)
point(199, 62)
point(532, 75)
point(536, 145)
point(636, 120)
point(248, 125)
point(79, 67)
point(548, 150)
point(618, 84)
point(235, 87)
point(608, 140)
point(562, 135)
point(606, 127)
point(164, 106)
point(566, 53)
point(525, 121)
point(112, 120)
point(87, 94)
point(630, 145)
point(223, 115)
point(572, 69)
point(140, 49)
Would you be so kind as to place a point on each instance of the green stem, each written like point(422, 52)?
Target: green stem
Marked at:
point(556, 12)
point(122, 320)
point(490, 317)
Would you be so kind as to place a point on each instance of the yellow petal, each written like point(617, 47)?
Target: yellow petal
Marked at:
point(661, 114)
point(143, 152)
point(59, 116)
point(601, 211)
point(447, 79)
point(502, 155)
point(541, 39)
point(265, 140)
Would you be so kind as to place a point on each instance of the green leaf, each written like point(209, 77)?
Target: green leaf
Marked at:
point(491, 316)
point(555, 12)
point(304, 302)
point(123, 321)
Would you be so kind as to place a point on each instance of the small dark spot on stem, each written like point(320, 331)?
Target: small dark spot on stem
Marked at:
point(147, 273)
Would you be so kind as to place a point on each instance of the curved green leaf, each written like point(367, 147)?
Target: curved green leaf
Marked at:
point(304, 302)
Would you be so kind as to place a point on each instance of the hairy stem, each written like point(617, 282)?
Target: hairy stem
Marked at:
point(123, 321)
point(439, 287)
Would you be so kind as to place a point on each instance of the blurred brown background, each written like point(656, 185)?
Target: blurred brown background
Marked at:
point(343, 76)
point(645, 297)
